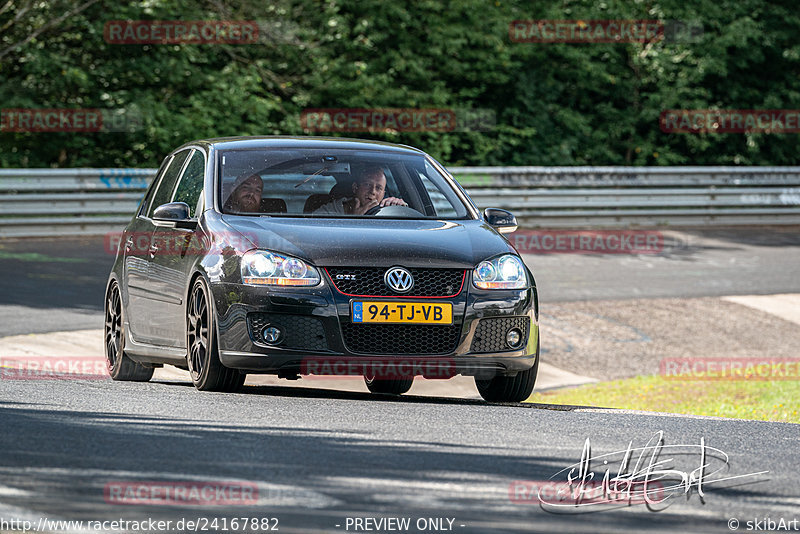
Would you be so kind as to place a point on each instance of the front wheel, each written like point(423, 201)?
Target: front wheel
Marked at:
point(509, 388)
point(202, 354)
point(120, 366)
point(390, 386)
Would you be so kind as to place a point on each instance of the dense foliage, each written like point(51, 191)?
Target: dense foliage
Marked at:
point(555, 104)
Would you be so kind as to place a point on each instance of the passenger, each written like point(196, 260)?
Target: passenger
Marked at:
point(246, 195)
point(368, 191)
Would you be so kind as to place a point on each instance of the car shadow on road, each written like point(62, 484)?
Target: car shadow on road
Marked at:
point(323, 393)
point(311, 478)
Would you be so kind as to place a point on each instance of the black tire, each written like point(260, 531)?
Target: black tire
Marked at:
point(202, 353)
point(120, 366)
point(509, 388)
point(389, 386)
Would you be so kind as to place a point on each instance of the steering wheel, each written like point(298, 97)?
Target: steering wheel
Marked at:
point(392, 211)
point(373, 210)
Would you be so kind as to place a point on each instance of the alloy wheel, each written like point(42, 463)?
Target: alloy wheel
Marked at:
point(113, 326)
point(198, 332)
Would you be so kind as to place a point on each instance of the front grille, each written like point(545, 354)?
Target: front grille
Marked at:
point(299, 331)
point(490, 336)
point(400, 339)
point(369, 282)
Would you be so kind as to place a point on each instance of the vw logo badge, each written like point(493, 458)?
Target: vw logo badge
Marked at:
point(399, 279)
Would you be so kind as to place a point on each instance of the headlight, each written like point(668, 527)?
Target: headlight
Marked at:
point(261, 267)
point(504, 272)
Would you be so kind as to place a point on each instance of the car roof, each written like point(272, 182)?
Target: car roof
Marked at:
point(275, 141)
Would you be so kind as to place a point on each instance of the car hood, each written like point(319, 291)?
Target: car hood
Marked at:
point(374, 242)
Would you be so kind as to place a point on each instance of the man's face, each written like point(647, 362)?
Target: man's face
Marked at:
point(370, 188)
point(247, 197)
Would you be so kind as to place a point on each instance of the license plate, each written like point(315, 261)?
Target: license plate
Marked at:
point(402, 312)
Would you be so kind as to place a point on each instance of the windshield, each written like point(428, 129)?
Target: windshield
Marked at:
point(334, 183)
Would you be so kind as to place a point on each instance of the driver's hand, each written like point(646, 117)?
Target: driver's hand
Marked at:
point(359, 209)
point(393, 201)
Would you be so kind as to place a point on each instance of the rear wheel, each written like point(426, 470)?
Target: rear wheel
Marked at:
point(120, 367)
point(390, 386)
point(509, 388)
point(202, 355)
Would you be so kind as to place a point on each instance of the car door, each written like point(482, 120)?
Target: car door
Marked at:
point(143, 299)
point(174, 252)
point(135, 250)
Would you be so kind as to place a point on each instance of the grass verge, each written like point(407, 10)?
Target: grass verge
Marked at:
point(760, 400)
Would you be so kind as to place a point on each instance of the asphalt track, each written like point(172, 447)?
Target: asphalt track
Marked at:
point(320, 457)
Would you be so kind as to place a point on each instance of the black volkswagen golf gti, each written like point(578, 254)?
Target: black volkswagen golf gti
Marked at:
point(315, 256)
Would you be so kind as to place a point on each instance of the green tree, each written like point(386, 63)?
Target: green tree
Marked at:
point(555, 104)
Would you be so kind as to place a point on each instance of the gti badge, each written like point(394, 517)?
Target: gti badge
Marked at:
point(399, 280)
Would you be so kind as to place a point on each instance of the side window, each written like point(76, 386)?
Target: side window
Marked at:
point(148, 196)
point(191, 183)
point(167, 183)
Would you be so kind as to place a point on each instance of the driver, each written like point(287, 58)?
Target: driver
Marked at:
point(368, 191)
point(246, 195)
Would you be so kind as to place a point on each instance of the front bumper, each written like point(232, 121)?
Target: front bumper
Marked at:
point(317, 327)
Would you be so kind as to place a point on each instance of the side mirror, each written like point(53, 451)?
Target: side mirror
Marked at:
point(177, 212)
point(503, 221)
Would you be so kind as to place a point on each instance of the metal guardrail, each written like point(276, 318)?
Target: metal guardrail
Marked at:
point(60, 202)
point(565, 197)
